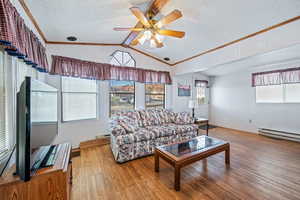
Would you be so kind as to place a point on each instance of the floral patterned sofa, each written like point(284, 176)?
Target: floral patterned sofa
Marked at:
point(135, 134)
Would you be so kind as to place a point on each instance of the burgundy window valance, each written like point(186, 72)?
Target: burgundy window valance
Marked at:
point(201, 83)
point(276, 77)
point(18, 39)
point(100, 71)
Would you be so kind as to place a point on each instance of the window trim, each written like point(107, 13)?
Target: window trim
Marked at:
point(62, 104)
point(163, 94)
point(132, 93)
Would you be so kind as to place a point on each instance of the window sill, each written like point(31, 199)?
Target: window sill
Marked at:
point(78, 120)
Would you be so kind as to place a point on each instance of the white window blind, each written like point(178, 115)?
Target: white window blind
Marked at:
point(43, 103)
point(284, 93)
point(3, 111)
point(79, 99)
point(292, 93)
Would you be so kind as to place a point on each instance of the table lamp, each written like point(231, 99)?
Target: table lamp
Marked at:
point(193, 104)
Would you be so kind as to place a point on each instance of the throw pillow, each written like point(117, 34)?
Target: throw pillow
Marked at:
point(130, 125)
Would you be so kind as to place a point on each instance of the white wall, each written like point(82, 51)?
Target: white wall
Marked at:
point(180, 104)
point(78, 131)
point(233, 104)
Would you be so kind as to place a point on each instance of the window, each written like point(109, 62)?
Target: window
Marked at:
point(269, 94)
point(121, 96)
point(12, 74)
point(292, 93)
point(200, 95)
point(284, 93)
point(43, 103)
point(79, 99)
point(155, 95)
point(121, 58)
point(3, 111)
point(201, 90)
point(122, 93)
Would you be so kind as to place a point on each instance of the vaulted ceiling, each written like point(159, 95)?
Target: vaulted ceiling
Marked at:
point(208, 23)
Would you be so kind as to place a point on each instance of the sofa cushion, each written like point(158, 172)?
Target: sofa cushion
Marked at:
point(149, 117)
point(183, 118)
point(186, 128)
point(163, 130)
point(141, 134)
point(165, 116)
point(154, 132)
point(129, 124)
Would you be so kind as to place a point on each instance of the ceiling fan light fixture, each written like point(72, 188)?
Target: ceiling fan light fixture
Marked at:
point(148, 34)
point(142, 40)
point(159, 38)
point(152, 43)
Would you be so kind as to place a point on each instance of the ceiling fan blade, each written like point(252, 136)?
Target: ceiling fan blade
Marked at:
point(157, 5)
point(136, 40)
point(178, 34)
point(154, 8)
point(158, 43)
point(174, 15)
point(129, 29)
point(140, 15)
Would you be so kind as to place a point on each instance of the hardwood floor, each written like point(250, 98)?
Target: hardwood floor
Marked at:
point(261, 168)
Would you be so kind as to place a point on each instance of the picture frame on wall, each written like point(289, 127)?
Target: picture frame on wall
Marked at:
point(184, 90)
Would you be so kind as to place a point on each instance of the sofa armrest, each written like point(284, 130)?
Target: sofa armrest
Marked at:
point(117, 130)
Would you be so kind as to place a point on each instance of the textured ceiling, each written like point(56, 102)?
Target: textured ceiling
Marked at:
point(207, 23)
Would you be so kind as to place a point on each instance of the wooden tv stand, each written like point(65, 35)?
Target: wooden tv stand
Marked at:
point(47, 183)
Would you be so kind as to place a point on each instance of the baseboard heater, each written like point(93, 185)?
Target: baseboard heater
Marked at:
point(279, 134)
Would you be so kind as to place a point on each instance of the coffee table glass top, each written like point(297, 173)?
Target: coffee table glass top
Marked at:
point(200, 143)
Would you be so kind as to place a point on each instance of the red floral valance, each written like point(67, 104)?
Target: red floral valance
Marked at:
point(276, 77)
point(100, 71)
point(201, 83)
point(18, 39)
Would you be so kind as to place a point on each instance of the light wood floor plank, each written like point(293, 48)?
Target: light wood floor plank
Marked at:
point(261, 168)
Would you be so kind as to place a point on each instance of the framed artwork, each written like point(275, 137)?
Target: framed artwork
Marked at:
point(184, 90)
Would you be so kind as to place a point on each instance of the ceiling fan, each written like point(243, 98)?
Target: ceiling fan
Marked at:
point(149, 29)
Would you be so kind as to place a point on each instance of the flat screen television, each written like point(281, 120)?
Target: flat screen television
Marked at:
point(36, 103)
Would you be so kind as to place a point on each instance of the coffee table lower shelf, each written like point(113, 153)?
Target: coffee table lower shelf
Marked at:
point(186, 159)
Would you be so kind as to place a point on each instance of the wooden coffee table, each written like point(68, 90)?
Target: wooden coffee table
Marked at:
point(184, 153)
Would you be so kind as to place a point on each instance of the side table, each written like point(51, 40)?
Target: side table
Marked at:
point(201, 122)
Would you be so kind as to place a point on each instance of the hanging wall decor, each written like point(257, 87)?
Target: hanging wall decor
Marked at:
point(184, 90)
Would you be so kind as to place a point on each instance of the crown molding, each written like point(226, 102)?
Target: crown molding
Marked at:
point(142, 52)
point(83, 43)
point(27, 11)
